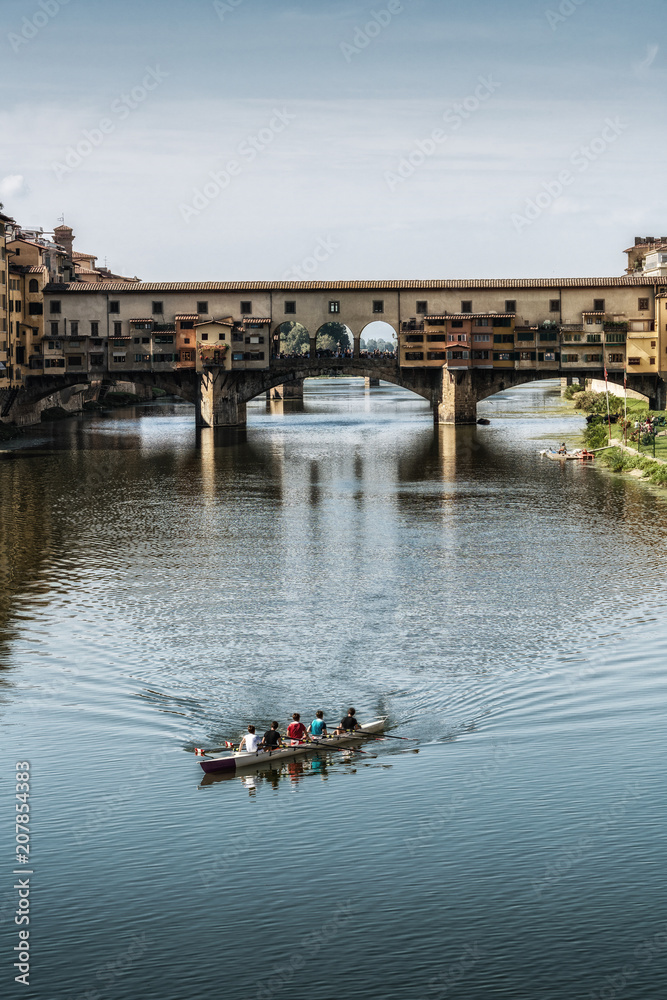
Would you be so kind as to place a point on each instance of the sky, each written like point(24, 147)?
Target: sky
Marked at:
point(221, 140)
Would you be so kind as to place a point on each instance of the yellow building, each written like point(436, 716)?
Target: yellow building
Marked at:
point(5, 339)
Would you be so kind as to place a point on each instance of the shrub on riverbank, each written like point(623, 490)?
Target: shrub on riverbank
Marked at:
point(621, 461)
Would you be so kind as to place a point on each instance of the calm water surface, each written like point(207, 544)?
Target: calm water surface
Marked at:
point(162, 589)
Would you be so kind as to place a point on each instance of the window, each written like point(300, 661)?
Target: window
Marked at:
point(186, 356)
point(615, 359)
point(653, 343)
point(114, 307)
point(186, 340)
point(137, 340)
point(187, 324)
point(118, 359)
point(74, 361)
point(204, 336)
point(164, 340)
point(254, 356)
point(550, 356)
point(54, 328)
point(573, 357)
point(163, 359)
point(202, 308)
point(334, 307)
point(554, 305)
point(436, 356)
point(598, 305)
point(593, 338)
point(510, 305)
point(595, 358)
point(74, 328)
point(551, 335)
point(378, 305)
point(97, 360)
point(480, 355)
point(118, 329)
point(651, 361)
point(642, 305)
point(422, 307)
point(96, 342)
point(157, 308)
point(482, 322)
point(435, 337)
point(526, 356)
point(290, 308)
point(458, 355)
point(417, 338)
point(457, 324)
point(502, 321)
point(145, 340)
point(246, 308)
point(254, 340)
point(119, 343)
point(481, 338)
point(54, 306)
point(33, 285)
point(502, 357)
point(466, 306)
point(35, 309)
point(94, 328)
point(414, 356)
point(615, 338)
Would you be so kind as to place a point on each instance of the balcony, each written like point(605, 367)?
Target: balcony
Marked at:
point(412, 324)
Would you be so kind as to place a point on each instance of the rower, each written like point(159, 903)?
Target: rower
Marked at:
point(349, 723)
point(296, 729)
point(318, 726)
point(272, 739)
point(250, 741)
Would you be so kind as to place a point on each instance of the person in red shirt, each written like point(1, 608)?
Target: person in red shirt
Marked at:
point(296, 729)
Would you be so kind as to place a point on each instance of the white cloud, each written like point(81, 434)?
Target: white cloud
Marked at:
point(14, 186)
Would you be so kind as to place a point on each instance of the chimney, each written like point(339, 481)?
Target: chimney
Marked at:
point(64, 236)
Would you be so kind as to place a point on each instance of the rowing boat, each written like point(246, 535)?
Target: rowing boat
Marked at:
point(260, 758)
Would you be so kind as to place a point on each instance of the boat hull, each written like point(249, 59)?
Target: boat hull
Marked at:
point(262, 758)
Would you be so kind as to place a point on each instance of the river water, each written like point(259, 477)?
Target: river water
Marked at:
point(162, 589)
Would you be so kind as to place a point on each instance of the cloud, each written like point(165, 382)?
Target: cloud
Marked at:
point(14, 186)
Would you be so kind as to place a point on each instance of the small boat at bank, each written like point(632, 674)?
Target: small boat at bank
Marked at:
point(261, 758)
point(581, 455)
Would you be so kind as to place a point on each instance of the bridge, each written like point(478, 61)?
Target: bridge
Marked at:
point(221, 396)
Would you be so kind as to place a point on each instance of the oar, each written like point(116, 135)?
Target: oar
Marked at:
point(327, 746)
point(381, 736)
point(201, 753)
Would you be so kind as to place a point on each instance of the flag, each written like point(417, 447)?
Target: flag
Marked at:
point(625, 379)
point(606, 377)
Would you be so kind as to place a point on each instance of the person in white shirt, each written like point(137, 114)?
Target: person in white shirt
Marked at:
point(250, 741)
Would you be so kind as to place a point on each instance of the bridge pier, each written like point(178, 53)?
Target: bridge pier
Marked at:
point(372, 383)
point(458, 398)
point(356, 351)
point(218, 403)
point(288, 390)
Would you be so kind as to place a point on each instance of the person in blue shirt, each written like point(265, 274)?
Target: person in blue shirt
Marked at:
point(318, 726)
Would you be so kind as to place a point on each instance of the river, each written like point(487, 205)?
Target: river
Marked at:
point(163, 588)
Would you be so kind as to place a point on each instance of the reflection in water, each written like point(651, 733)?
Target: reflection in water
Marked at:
point(165, 587)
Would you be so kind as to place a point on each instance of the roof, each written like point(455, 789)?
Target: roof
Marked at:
point(246, 320)
point(457, 316)
point(142, 320)
point(435, 285)
point(36, 269)
point(187, 316)
point(88, 256)
point(216, 322)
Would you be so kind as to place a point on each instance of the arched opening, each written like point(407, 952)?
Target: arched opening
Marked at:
point(378, 339)
point(33, 285)
point(291, 339)
point(334, 340)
